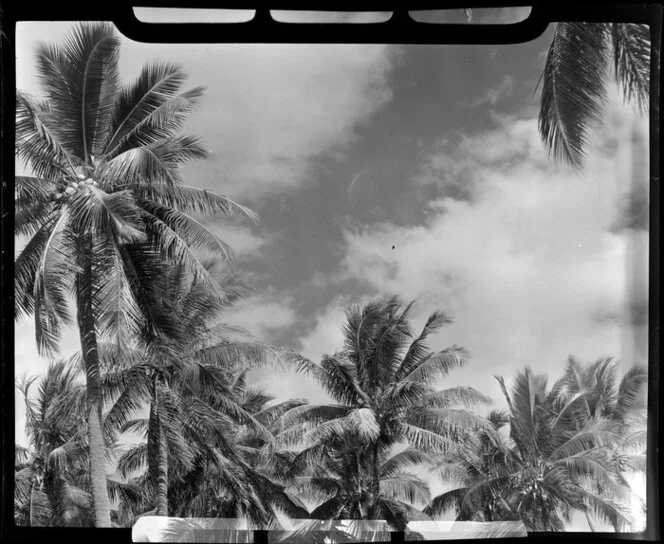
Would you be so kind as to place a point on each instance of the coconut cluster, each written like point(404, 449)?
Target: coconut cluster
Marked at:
point(534, 488)
point(75, 186)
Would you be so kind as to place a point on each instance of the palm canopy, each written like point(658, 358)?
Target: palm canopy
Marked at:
point(384, 385)
point(575, 78)
point(552, 465)
point(384, 382)
point(51, 486)
point(230, 476)
point(105, 159)
point(339, 485)
point(593, 390)
point(183, 376)
point(484, 455)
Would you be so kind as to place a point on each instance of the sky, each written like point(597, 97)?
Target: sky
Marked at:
point(414, 171)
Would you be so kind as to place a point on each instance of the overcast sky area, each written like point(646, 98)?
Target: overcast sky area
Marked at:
point(416, 171)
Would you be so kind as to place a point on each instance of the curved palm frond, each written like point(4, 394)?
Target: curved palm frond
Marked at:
point(573, 89)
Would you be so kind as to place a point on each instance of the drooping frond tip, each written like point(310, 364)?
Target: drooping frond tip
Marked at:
point(573, 90)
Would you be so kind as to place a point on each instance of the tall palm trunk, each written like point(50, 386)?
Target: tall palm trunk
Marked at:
point(162, 455)
point(88, 335)
point(375, 484)
point(31, 521)
point(356, 506)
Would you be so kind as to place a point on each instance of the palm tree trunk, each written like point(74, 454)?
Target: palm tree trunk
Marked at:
point(31, 517)
point(162, 457)
point(375, 484)
point(86, 326)
point(356, 506)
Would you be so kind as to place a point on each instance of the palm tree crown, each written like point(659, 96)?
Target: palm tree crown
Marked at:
point(552, 465)
point(105, 159)
point(383, 383)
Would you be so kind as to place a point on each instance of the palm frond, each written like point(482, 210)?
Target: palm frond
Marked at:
point(190, 199)
point(153, 101)
point(405, 487)
point(418, 348)
point(573, 89)
point(81, 79)
point(426, 440)
point(629, 390)
point(133, 460)
point(37, 142)
point(446, 501)
point(53, 282)
point(404, 459)
point(455, 396)
point(437, 365)
point(597, 433)
point(194, 233)
point(156, 162)
point(312, 414)
point(631, 58)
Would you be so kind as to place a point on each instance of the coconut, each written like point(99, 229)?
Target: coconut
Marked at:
point(70, 191)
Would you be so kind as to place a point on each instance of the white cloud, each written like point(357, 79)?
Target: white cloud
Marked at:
point(493, 95)
point(246, 245)
point(527, 264)
point(269, 110)
point(263, 314)
point(326, 336)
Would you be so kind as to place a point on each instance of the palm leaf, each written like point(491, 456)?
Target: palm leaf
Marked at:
point(418, 348)
point(631, 58)
point(446, 501)
point(153, 100)
point(438, 364)
point(36, 140)
point(573, 89)
point(629, 389)
point(405, 487)
point(185, 198)
point(404, 459)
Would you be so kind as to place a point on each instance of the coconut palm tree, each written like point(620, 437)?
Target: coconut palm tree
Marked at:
point(51, 483)
point(383, 383)
point(553, 468)
point(592, 390)
point(105, 210)
point(265, 469)
point(229, 476)
point(233, 475)
point(339, 483)
point(488, 452)
point(184, 373)
point(575, 80)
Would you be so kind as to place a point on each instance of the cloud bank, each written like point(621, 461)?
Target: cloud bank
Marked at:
point(527, 257)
